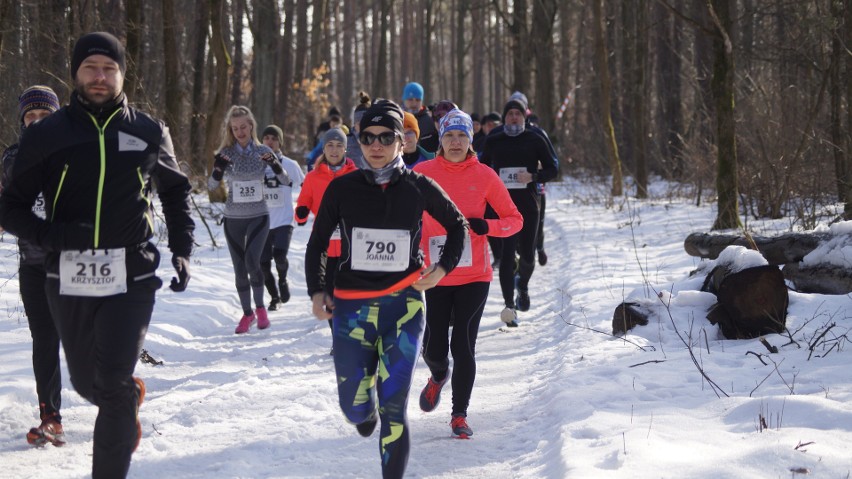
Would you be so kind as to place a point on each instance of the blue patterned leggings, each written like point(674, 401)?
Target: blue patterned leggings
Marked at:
point(376, 344)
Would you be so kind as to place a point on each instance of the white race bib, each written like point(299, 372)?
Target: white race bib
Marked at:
point(274, 197)
point(509, 176)
point(436, 249)
point(38, 207)
point(247, 191)
point(94, 273)
point(380, 249)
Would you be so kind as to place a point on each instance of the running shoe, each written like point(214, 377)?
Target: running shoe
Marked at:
point(273, 304)
point(245, 323)
point(284, 291)
point(460, 428)
point(542, 257)
point(431, 394)
point(367, 427)
point(140, 392)
point(49, 431)
point(509, 316)
point(262, 318)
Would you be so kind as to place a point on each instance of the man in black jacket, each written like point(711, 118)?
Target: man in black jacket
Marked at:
point(97, 162)
point(522, 158)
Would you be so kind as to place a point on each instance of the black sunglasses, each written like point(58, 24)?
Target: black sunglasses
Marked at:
point(387, 138)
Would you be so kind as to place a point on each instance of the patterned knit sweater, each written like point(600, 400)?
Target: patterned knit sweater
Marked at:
point(244, 178)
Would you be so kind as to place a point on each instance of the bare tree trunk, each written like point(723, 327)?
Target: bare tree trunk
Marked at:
point(82, 17)
point(478, 59)
point(606, 117)
point(427, 29)
point(172, 83)
point(847, 211)
point(541, 35)
point(393, 68)
point(238, 96)
point(265, 40)
point(49, 55)
point(640, 99)
point(669, 65)
point(133, 47)
point(519, 31)
point(365, 69)
point(460, 49)
point(5, 17)
point(347, 54)
point(197, 106)
point(219, 86)
point(727, 216)
point(286, 79)
point(380, 79)
point(841, 166)
point(300, 68)
point(318, 34)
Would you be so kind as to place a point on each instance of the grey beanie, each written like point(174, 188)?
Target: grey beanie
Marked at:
point(334, 134)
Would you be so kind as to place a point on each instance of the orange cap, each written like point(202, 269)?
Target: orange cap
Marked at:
point(409, 122)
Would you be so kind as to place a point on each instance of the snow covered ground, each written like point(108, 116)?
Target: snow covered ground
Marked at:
point(557, 398)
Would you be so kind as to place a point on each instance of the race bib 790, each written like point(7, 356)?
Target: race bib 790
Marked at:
point(380, 249)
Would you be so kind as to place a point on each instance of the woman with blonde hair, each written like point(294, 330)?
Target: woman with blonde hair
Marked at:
point(241, 162)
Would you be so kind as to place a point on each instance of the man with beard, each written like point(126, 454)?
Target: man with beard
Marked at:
point(97, 162)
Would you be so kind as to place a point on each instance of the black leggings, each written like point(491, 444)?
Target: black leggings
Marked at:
point(539, 239)
point(524, 243)
point(45, 339)
point(102, 338)
point(463, 303)
point(277, 247)
point(246, 238)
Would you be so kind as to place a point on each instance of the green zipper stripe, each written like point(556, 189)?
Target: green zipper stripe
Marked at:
point(58, 190)
point(147, 200)
point(102, 147)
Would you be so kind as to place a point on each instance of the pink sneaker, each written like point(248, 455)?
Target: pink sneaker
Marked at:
point(245, 324)
point(262, 318)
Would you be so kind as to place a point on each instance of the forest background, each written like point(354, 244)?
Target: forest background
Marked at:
point(749, 100)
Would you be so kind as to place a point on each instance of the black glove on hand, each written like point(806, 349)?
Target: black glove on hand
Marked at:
point(273, 163)
point(478, 225)
point(220, 163)
point(302, 214)
point(181, 264)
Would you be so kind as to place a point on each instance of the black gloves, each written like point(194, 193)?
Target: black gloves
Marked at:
point(478, 225)
point(273, 163)
point(181, 264)
point(220, 163)
point(302, 215)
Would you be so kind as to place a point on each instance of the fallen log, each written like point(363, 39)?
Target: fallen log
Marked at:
point(788, 248)
point(820, 278)
point(751, 302)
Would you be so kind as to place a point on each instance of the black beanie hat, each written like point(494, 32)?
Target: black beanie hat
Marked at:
point(383, 113)
point(97, 43)
point(517, 105)
point(275, 131)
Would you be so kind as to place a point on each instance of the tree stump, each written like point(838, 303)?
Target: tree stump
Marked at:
point(751, 302)
point(628, 315)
